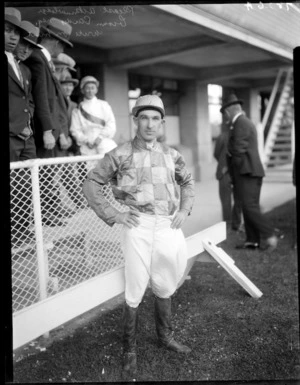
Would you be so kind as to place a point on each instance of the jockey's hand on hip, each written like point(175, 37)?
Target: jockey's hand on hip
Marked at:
point(129, 218)
point(179, 219)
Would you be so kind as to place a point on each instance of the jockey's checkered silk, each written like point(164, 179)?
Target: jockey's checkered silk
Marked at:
point(144, 178)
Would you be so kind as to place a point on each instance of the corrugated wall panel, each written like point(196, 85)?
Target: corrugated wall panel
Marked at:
point(280, 25)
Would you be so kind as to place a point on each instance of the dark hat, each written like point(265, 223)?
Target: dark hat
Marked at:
point(13, 16)
point(33, 33)
point(58, 29)
point(232, 99)
point(69, 79)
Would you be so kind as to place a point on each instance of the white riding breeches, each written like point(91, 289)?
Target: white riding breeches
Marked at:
point(152, 251)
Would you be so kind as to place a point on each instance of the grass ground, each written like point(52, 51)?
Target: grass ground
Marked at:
point(233, 336)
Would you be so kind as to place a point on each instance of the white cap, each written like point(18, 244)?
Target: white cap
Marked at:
point(150, 101)
point(88, 79)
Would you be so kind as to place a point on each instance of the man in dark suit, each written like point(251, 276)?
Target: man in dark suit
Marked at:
point(22, 52)
point(232, 214)
point(21, 140)
point(51, 115)
point(22, 146)
point(247, 172)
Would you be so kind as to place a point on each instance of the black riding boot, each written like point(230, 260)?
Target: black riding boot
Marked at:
point(129, 339)
point(162, 312)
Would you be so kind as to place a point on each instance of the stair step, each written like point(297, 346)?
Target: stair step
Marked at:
point(280, 154)
point(281, 149)
point(279, 157)
point(277, 163)
point(282, 146)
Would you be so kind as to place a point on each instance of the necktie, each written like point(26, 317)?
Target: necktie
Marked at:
point(19, 72)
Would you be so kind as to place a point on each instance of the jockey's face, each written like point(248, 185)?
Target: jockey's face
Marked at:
point(149, 124)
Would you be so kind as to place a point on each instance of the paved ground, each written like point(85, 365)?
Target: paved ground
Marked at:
point(277, 189)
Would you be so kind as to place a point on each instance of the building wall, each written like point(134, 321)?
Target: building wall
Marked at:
point(195, 130)
point(115, 86)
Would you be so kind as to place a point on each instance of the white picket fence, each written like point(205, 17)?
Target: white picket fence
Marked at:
point(61, 270)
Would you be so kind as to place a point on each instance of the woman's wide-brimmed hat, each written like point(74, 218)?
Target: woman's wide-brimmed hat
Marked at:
point(59, 29)
point(232, 99)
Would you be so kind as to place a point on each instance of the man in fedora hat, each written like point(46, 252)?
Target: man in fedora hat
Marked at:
point(64, 64)
point(144, 174)
point(51, 114)
point(231, 206)
point(247, 173)
point(22, 52)
point(20, 114)
point(22, 144)
point(27, 43)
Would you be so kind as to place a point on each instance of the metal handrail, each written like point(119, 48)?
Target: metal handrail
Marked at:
point(48, 161)
point(272, 98)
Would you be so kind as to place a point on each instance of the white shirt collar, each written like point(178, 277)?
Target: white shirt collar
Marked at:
point(236, 116)
point(46, 53)
point(10, 55)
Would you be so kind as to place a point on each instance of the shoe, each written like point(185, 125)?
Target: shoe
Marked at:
point(175, 346)
point(248, 245)
point(162, 316)
point(270, 243)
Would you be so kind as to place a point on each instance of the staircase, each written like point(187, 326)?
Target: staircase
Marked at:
point(278, 122)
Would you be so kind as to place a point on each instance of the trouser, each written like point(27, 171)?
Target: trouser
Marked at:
point(152, 251)
point(232, 214)
point(20, 149)
point(257, 227)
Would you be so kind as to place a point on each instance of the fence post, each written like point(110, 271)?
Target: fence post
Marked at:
point(41, 256)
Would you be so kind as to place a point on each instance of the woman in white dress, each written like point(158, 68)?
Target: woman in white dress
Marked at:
point(93, 124)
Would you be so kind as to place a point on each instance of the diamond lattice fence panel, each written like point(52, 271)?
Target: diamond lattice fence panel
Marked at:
point(77, 244)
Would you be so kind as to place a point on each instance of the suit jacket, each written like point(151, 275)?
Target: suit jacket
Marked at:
point(220, 154)
point(50, 105)
point(18, 100)
point(71, 106)
point(243, 148)
point(28, 78)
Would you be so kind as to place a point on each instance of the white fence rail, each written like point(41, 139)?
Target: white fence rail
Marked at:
point(65, 261)
point(66, 243)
